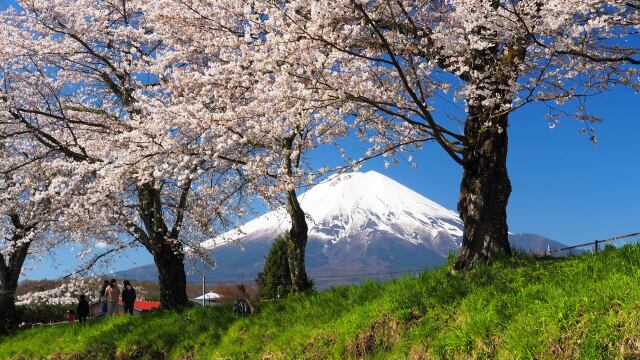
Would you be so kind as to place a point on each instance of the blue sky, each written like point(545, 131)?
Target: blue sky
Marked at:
point(564, 187)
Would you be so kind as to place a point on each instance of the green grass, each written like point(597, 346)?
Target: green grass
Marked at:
point(584, 307)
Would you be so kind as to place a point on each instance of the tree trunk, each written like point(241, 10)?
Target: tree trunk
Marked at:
point(296, 244)
point(485, 188)
point(172, 278)
point(8, 316)
point(9, 275)
point(167, 251)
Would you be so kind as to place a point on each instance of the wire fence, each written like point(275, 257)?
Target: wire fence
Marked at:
point(593, 245)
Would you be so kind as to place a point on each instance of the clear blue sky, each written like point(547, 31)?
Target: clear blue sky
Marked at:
point(564, 187)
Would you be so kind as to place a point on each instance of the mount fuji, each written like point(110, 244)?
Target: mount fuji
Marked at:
point(360, 225)
point(360, 209)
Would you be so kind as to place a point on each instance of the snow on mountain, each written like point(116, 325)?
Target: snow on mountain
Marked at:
point(357, 206)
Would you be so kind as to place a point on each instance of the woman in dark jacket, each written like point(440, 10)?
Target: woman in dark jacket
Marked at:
point(83, 309)
point(128, 297)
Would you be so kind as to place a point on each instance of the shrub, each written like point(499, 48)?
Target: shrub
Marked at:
point(275, 280)
point(43, 313)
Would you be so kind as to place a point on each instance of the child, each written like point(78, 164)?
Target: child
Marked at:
point(71, 317)
point(83, 309)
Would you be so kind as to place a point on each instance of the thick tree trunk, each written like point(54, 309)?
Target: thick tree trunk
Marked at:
point(172, 278)
point(9, 275)
point(485, 189)
point(485, 186)
point(167, 251)
point(297, 243)
point(8, 316)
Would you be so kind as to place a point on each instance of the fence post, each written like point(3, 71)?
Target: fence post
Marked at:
point(596, 242)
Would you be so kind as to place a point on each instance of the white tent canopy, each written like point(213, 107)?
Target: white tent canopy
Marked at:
point(209, 296)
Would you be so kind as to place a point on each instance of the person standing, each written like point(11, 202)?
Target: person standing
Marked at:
point(83, 309)
point(112, 294)
point(128, 297)
point(71, 317)
point(103, 297)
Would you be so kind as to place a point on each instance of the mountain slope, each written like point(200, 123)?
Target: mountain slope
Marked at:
point(533, 242)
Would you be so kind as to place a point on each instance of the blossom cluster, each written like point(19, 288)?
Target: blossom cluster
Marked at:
point(66, 293)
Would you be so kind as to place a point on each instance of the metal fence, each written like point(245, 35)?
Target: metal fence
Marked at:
point(593, 245)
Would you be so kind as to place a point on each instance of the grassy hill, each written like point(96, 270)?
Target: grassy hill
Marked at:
point(584, 307)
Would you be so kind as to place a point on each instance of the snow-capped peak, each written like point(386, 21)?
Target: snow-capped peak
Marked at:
point(355, 206)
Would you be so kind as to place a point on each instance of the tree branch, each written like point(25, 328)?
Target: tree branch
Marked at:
point(444, 143)
point(95, 259)
point(182, 205)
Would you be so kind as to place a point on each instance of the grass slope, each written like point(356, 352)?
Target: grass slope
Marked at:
point(583, 307)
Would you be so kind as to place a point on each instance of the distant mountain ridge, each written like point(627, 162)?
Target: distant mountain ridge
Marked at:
point(359, 223)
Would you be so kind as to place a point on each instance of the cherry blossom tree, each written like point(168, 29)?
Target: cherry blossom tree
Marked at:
point(388, 62)
point(20, 228)
point(80, 69)
point(32, 198)
point(266, 114)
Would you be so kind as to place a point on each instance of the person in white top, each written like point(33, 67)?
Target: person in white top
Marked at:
point(112, 295)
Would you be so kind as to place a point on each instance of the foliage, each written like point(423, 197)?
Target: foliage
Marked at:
point(581, 307)
point(43, 313)
point(275, 281)
point(64, 292)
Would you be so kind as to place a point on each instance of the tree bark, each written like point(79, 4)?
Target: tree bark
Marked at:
point(171, 277)
point(485, 186)
point(297, 242)
point(485, 189)
point(167, 251)
point(9, 275)
point(8, 315)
